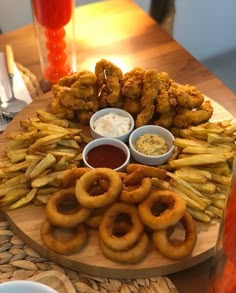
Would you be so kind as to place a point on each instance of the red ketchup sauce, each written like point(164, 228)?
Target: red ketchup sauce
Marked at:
point(106, 156)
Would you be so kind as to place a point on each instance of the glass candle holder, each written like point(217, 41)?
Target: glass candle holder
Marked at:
point(55, 34)
point(223, 269)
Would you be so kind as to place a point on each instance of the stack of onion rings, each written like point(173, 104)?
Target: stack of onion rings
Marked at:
point(120, 206)
point(68, 220)
point(108, 222)
point(177, 250)
point(120, 240)
point(176, 207)
point(88, 179)
point(68, 246)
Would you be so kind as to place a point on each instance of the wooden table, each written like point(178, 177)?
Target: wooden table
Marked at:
point(122, 32)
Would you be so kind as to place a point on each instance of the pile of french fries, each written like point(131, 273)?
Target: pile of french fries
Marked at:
point(200, 169)
point(37, 158)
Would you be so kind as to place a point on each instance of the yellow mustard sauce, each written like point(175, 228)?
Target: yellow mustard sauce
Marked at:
point(151, 145)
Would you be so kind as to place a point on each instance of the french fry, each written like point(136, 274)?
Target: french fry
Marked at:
point(19, 179)
point(46, 140)
point(8, 188)
point(223, 180)
point(17, 167)
point(189, 193)
point(193, 175)
point(219, 203)
point(22, 135)
point(182, 143)
point(215, 211)
point(190, 202)
point(198, 160)
point(24, 200)
point(41, 199)
point(215, 196)
point(207, 187)
point(53, 177)
point(160, 183)
point(16, 155)
point(206, 150)
point(48, 117)
point(13, 195)
point(198, 215)
point(50, 127)
point(216, 138)
point(42, 165)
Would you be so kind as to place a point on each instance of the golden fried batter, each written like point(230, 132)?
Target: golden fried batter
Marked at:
point(186, 96)
point(166, 119)
point(132, 83)
point(132, 106)
point(186, 117)
point(109, 83)
point(58, 108)
point(151, 85)
point(149, 96)
point(164, 80)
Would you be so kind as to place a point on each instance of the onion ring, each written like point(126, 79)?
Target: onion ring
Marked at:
point(72, 175)
point(88, 179)
point(177, 250)
point(130, 256)
point(111, 217)
point(70, 219)
point(68, 246)
point(139, 193)
point(173, 213)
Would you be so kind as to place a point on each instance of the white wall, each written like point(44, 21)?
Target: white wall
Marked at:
point(206, 28)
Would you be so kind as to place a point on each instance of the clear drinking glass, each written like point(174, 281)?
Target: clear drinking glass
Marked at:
point(55, 34)
point(223, 270)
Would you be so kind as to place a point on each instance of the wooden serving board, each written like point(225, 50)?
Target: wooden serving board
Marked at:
point(26, 222)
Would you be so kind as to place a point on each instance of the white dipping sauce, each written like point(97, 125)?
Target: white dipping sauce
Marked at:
point(112, 125)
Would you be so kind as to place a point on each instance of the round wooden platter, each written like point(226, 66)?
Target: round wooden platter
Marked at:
point(26, 222)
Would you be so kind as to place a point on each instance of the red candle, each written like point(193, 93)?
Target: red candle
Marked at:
point(53, 14)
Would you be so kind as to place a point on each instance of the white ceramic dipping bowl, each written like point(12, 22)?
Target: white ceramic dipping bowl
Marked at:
point(25, 287)
point(146, 159)
point(102, 142)
point(124, 137)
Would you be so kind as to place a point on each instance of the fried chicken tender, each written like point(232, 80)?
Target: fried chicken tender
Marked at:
point(186, 96)
point(58, 108)
point(151, 86)
point(164, 80)
point(166, 119)
point(109, 83)
point(132, 106)
point(186, 117)
point(82, 93)
point(132, 83)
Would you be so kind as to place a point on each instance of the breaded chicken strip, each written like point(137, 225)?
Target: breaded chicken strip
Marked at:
point(132, 83)
point(151, 86)
point(186, 96)
point(109, 83)
point(186, 117)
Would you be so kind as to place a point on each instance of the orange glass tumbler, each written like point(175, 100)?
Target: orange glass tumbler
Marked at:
point(223, 269)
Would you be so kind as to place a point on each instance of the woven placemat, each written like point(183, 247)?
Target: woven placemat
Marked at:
point(30, 80)
point(18, 261)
